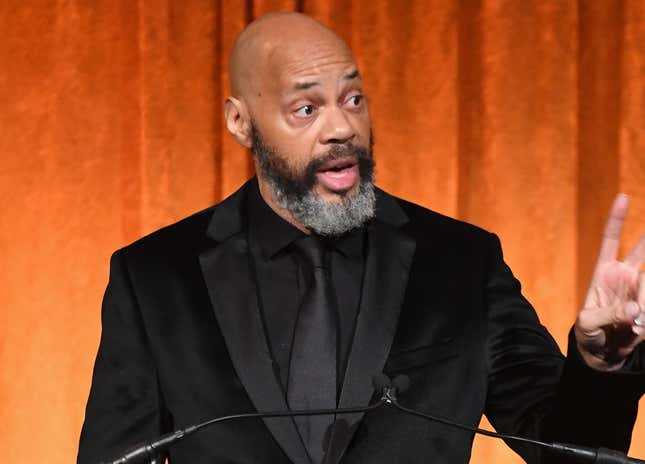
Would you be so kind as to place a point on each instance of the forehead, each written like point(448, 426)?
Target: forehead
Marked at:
point(307, 60)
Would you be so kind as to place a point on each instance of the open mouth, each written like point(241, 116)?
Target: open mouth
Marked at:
point(338, 165)
point(338, 175)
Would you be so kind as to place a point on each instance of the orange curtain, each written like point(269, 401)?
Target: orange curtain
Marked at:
point(523, 116)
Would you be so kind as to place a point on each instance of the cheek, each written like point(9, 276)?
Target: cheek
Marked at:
point(363, 125)
point(297, 145)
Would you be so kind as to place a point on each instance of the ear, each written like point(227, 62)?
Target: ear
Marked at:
point(238, 122)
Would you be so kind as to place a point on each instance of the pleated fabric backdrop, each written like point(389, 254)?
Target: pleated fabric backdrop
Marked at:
point(522, 116)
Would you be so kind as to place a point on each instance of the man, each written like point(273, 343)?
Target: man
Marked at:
point(308, 281)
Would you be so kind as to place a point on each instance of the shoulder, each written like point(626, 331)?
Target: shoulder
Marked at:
point(448, 249)
point(193, 234)
point(186, 237)
point(426, 224)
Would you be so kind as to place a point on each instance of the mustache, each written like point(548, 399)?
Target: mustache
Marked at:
point(361, 155)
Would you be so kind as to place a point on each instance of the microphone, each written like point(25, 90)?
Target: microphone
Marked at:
point(580, 453)
point(390, 388)
point(380, 382)
point(401, 383)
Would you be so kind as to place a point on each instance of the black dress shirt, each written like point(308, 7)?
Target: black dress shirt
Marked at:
point(283, 277)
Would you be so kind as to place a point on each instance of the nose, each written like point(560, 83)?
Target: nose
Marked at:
point(337, 128)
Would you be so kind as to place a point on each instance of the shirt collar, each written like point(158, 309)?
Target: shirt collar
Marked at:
point(350, 244)
point(271, 231)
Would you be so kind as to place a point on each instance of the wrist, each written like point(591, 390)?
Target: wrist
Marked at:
point(598, 359)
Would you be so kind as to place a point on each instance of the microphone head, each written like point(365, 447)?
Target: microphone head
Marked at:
point(401, 383)
point(381, 381)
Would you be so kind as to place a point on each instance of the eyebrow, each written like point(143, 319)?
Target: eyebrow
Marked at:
point(309, 84)
point(352, 75)
point(305, 85)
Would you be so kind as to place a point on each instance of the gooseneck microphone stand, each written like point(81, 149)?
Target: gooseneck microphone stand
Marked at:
point(389, 390)
point(149, 451)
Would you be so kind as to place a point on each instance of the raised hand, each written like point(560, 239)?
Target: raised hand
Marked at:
point(612, 321)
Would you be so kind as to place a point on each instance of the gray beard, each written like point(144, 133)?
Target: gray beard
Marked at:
point(297, 195)
point(330, 219)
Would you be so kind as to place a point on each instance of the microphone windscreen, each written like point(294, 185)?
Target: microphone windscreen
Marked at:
point(401, 383)
point(381, 381)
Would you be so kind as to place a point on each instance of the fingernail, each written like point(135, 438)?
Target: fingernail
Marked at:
point(640, 320)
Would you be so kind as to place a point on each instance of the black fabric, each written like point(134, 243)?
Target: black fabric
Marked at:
point(183, 341)
point(283, 277)
point(312, 369)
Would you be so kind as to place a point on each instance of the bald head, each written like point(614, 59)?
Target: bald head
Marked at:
point(275, 43)
point(297, 101)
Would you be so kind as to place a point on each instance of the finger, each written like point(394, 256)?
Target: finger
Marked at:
point(639, 333)
point(631, 311)
point(639, 325)
point(591, 321)
point(638, 329)
point(636, 257)
point(639, 321)
point(613, 228)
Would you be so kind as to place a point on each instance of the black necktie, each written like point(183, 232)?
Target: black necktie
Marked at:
point(312, 370)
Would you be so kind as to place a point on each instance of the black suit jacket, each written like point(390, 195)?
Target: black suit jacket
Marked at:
point(183, 341)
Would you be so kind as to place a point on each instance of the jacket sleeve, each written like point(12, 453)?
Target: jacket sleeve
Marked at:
point(536, 392)
point(124, 405)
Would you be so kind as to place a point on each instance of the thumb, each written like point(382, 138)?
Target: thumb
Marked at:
point(591, 320)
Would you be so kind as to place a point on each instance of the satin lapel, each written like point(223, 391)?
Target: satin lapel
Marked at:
point(231, 288)
point(388, 264)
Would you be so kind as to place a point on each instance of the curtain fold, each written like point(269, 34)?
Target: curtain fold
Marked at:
point(522, 116)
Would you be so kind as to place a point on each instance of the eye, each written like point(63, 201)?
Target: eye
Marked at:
point(355, 100)
point(304, 111)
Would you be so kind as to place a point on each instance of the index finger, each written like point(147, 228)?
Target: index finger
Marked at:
point(611, 236)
